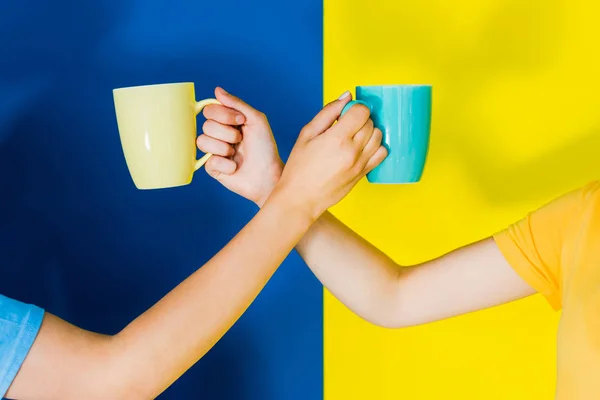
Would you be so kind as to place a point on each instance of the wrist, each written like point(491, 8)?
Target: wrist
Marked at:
point(271, 181)
point(296, 204)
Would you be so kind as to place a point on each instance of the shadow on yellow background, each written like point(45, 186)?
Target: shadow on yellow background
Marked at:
point(516, 122)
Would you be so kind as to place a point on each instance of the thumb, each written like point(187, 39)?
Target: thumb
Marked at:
point(326, 117)
point(231, 101)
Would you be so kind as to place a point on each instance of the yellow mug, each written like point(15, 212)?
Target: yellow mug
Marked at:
point(157, 126)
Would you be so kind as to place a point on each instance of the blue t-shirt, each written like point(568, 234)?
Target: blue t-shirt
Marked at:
point(19, 326)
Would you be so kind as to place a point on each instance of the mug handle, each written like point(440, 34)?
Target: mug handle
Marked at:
point(198, 109)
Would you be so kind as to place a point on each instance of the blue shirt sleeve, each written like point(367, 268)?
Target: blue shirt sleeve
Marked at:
point(19, 326)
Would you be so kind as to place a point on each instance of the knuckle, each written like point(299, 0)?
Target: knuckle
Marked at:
point(224, 149)
point(358, 116)
point(367, 131)
point(213, 173)
point(359, 168)
point(210, 168)
point(236, 136)
point(350, 155)
point(361, 111)
point(340, 142)
point(329, 106)
point(305, 131)
point(348, 163)
point(384, 152)
point(231, 118)
point(230, 150)
point(360, 136)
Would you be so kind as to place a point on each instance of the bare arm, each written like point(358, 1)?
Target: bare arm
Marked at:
point(160, 345)
point(359, 275)
point(377, 289)
point(66, 362)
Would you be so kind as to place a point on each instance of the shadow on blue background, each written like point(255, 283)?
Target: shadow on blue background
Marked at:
point(78, 239)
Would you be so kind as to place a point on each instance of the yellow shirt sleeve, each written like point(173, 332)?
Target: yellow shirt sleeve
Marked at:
point(534, 246)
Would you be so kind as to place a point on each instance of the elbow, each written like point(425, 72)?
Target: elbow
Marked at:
point(386, 307)
point(109, 374)
point(130, 374)
point(123, 377)
point(386, 319)
point(126, 392)
point(386, 323)
point(386, 312)
point(110, 391)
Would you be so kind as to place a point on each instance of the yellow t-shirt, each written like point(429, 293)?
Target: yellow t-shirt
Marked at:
point(556, 250)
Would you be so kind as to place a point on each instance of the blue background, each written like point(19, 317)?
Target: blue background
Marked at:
point(78, 239)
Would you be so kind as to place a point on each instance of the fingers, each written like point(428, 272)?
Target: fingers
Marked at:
point(231, 101)
point(376, 159)
point(223, 115)
point(217, 166)
point(369, 140)
point(373, 143)
point(208, 144)
point(362, 136)
point(326, 117)
point(373, 153)
point(222, 132)
point(353, 120)
point(218, 138)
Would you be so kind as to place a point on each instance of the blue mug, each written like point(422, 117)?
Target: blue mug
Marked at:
point(403, 114)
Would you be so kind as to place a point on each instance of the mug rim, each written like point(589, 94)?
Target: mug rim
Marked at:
point(152, 85)
point(397, 85)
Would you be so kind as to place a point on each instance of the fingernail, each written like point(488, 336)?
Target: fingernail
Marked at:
point(239, 119)
point(344, 95)
point(223, 90)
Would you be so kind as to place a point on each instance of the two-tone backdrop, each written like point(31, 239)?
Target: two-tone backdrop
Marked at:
point(515, 124)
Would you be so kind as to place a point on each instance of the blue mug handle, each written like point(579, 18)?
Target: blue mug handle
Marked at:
point(353, 102)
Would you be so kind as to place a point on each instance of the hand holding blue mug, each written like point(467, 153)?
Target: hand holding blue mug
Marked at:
point(403, 114)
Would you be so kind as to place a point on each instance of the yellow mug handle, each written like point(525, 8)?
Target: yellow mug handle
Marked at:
point(198, 108)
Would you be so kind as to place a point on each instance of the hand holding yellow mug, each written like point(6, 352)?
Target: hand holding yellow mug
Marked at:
point(157, 126)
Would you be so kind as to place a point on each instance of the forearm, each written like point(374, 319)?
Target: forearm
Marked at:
point(165, 341)
point(357, 273)
point(142, 360)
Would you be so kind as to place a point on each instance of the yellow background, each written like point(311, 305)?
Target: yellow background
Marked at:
point(515, 119)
